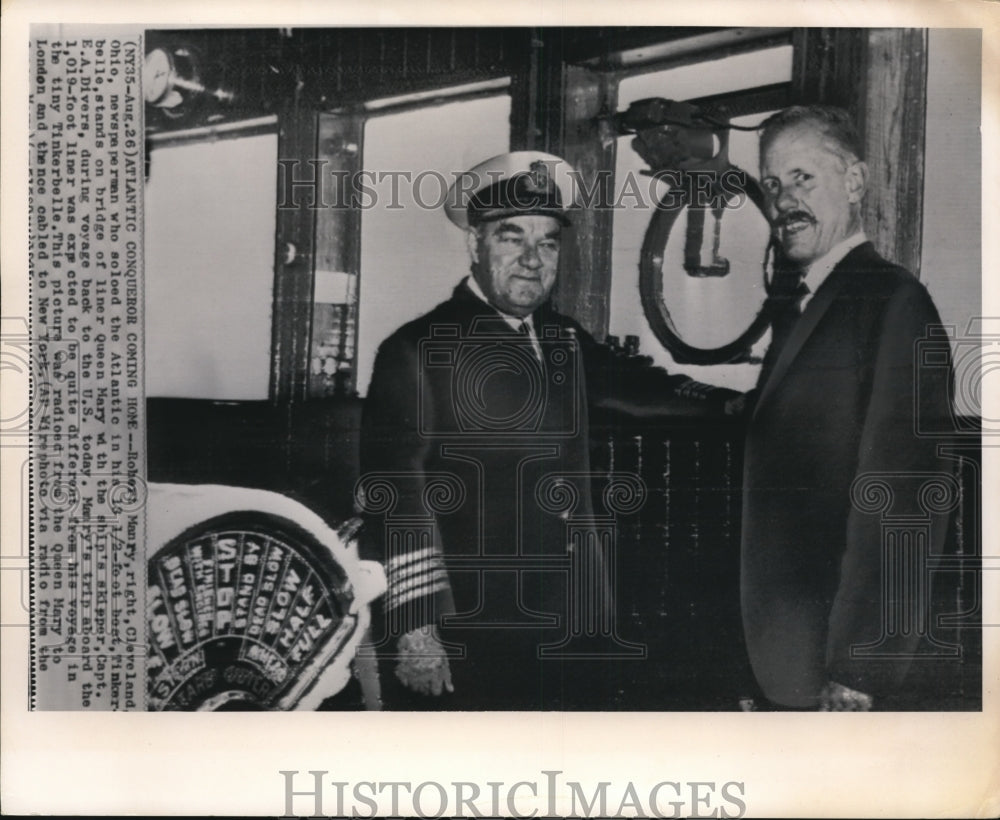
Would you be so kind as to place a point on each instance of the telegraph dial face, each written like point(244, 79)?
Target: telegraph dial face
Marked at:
point(243, 612)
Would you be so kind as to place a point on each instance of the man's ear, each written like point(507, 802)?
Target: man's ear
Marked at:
point(472, 243)
point(856, 181)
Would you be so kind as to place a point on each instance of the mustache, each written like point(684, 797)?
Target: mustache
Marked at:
point(792, 216)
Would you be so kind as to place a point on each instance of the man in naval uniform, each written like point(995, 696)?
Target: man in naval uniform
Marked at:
point(475, 468)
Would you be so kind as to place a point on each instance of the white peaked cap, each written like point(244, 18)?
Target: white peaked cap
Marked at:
point(554, 170)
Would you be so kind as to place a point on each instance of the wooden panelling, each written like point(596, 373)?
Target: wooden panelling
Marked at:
point(828, 66)
point(678, 560)
point(677, 556)
point(259, 67)
point(333, 344)
point(307, 450)
point(536, 88)
point(351, 65)
point(293, 249)
point(880, 77)
point(896, 108)
point(584, 285)
point(329, 68)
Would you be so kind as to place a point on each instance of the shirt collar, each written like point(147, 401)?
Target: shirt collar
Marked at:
point(514, 321)
point(817, 272)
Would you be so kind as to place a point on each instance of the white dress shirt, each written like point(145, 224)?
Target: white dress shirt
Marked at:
point(817, 272)
point(515, 322)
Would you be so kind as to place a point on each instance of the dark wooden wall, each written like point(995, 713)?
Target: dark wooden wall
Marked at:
point(880, 76)
point(677, 556)
point(328, 68)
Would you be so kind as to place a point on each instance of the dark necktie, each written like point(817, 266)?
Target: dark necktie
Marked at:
point(787, 299)
point(524, 329)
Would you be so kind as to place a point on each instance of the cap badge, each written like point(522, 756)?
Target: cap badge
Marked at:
point(537, 179)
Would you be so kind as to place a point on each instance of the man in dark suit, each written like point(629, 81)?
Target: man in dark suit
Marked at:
point(476, 481)
point(834, 428)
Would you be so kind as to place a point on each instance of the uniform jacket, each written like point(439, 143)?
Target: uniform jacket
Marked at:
point(840, 403)
point(484, 451)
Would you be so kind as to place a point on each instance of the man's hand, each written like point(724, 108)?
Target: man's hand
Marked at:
point(836, 697)
point(735, 406)
point(423, 664)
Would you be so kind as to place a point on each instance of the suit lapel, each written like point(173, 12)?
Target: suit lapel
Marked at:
point(804, 327)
